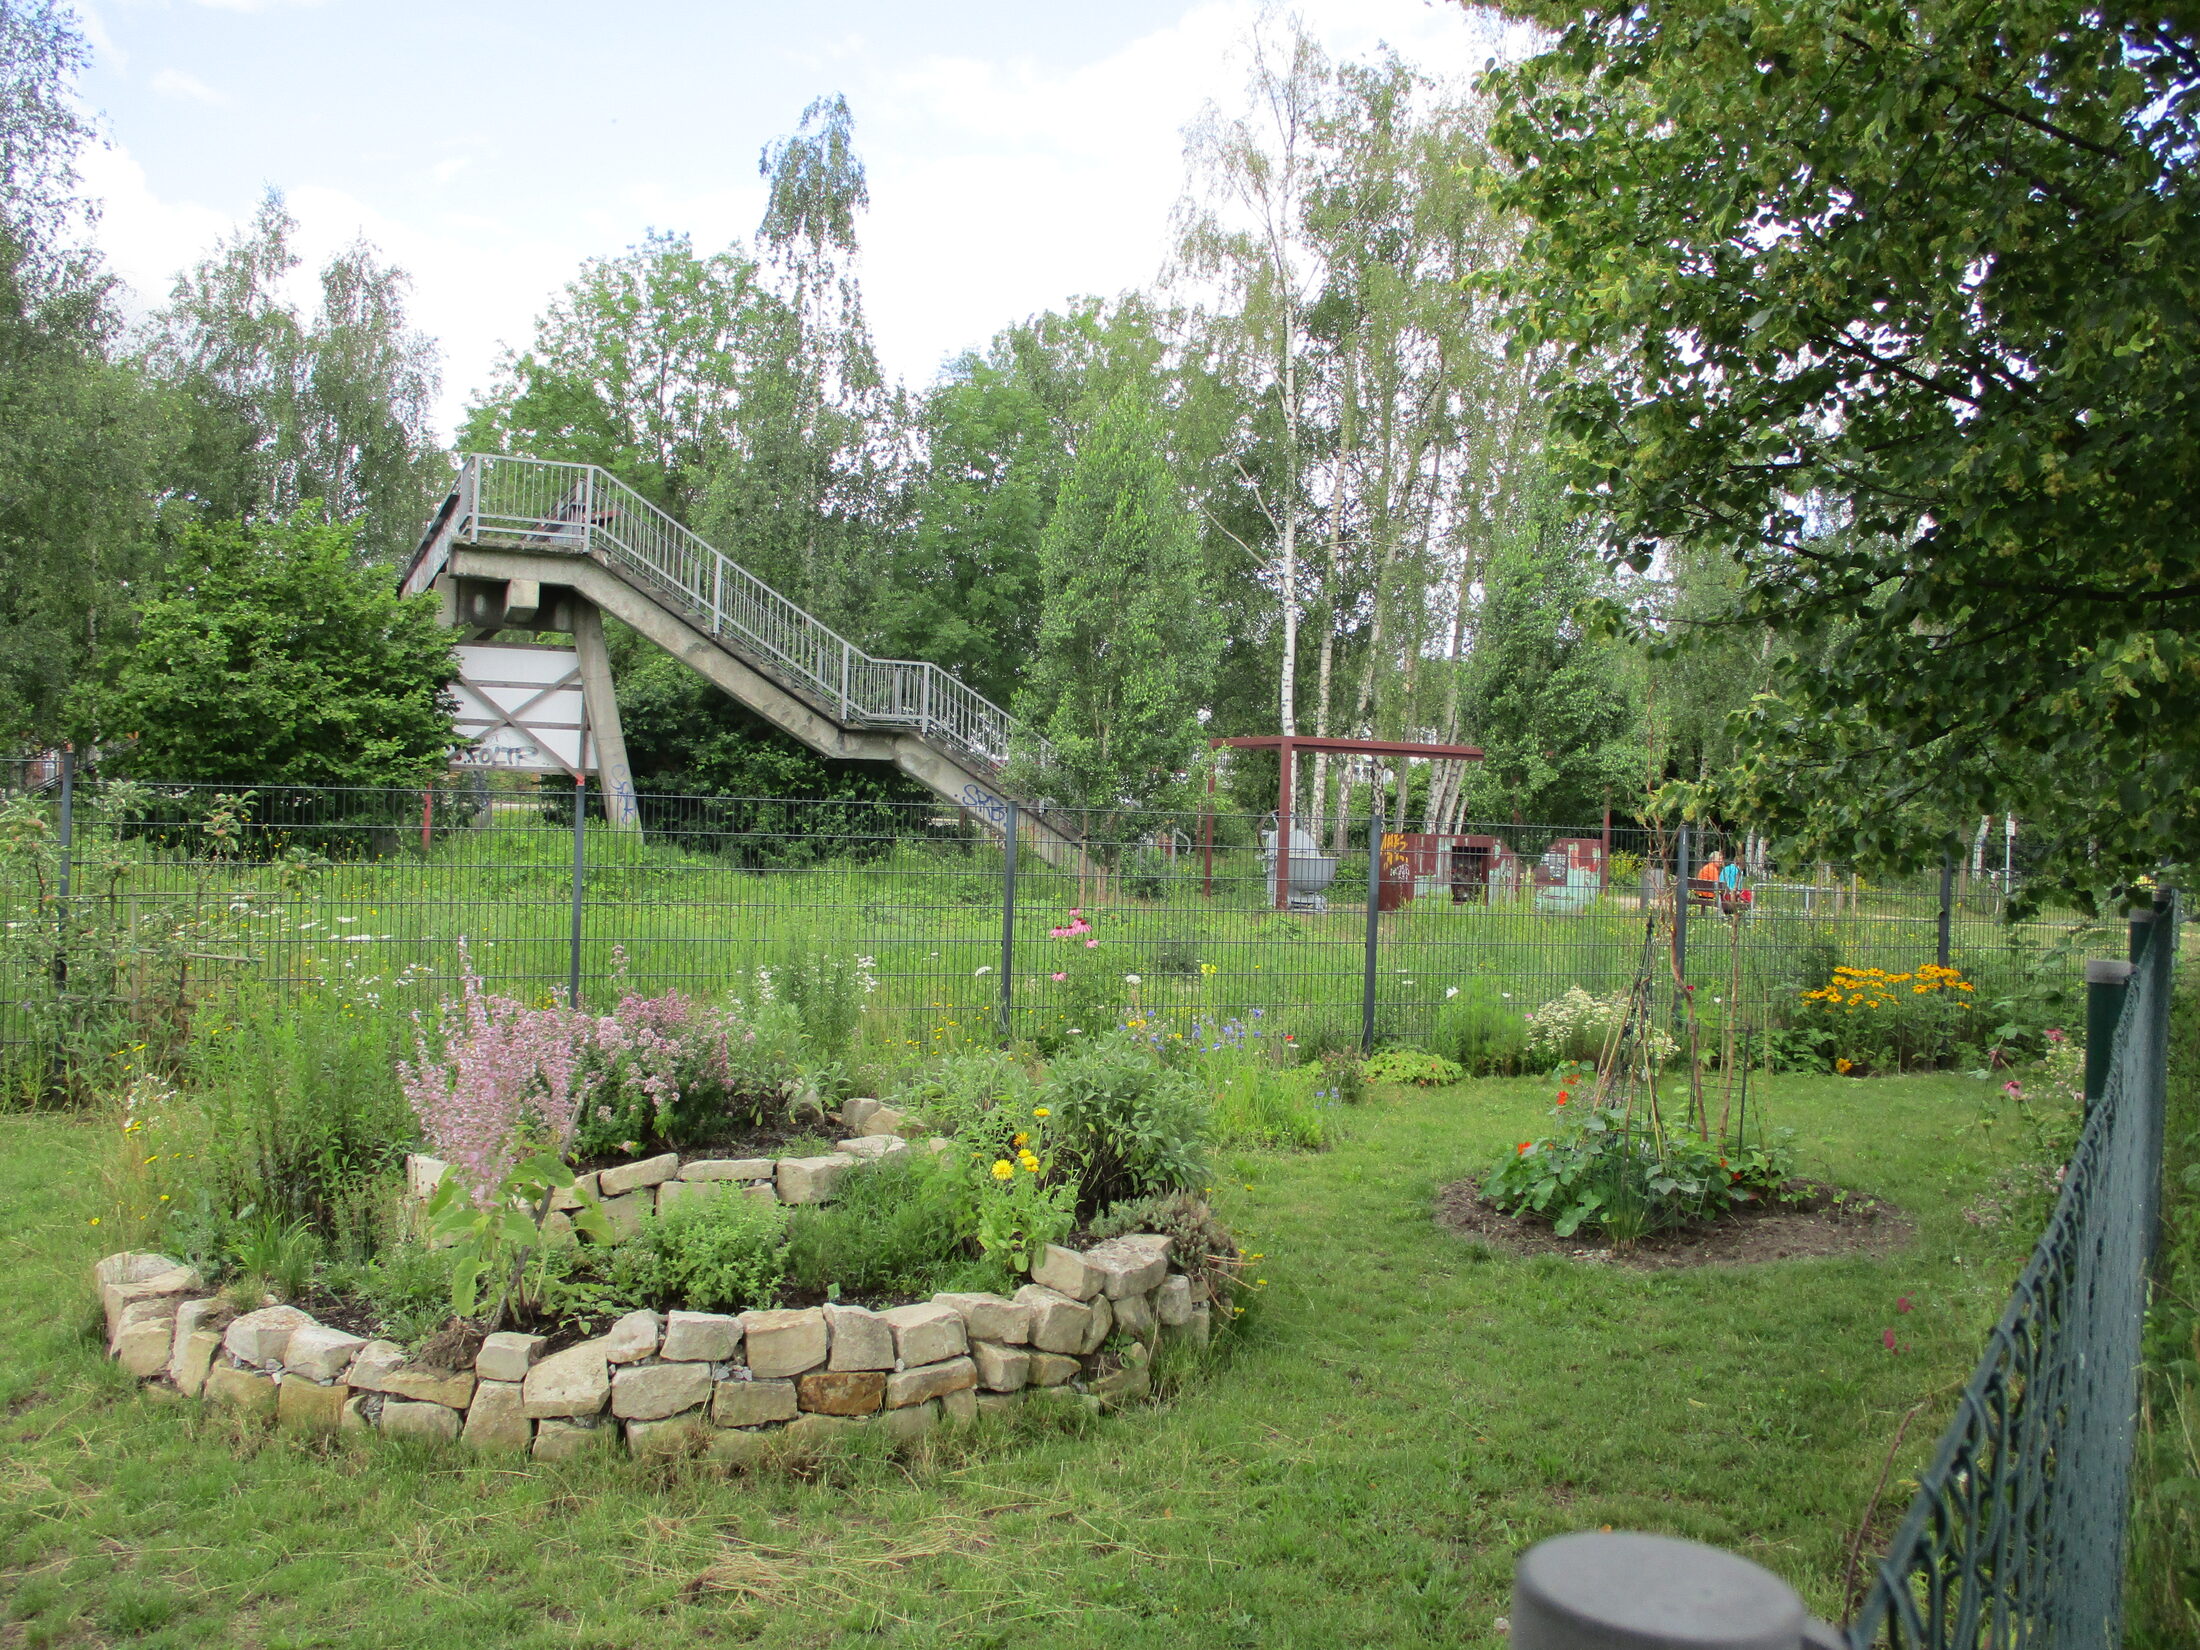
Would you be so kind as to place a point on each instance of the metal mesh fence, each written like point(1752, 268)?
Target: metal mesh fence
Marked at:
point(173, 891)
point(2016, 1536)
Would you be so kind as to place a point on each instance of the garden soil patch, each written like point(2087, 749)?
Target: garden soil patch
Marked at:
point(1819, 1225)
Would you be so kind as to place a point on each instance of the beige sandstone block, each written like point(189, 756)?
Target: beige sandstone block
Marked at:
point(861, 1339)
point(753, 1403)
point(508, 1355)
point(784, 1342)
point(655, 1391)
point(1130, 1265)
point(403, 1418)
point(701, 1337)
point(1066, 1272)
point(622, 1178)
point(926, 1333)
point(810, 1179)
point(633, 1338)
point(574, 1382)
point(1059, 1323)
point(241, 1389)
point(497, 1418)
point(1001, 1368)
point(991, 1317)
point(914, 1386)
point(308, 1406)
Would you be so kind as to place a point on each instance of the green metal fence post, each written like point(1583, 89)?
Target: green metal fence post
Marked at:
point(2106, 980)
point(2142, 929)
point(1680, 913)
point(1947, 906)
point(1374, 911)
point(1008, 923)
point(580, 867)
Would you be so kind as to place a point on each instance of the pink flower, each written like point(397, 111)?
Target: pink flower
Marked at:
point(1902, 1303)
point(1057, 977)
point(1886, 1339)
point(2014, 1089)
point(2054, 1035)
point(1092, 945)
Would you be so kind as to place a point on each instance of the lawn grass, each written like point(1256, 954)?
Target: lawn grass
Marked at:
point(1401, 1415)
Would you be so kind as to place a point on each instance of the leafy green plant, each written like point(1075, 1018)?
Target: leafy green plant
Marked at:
point(1255, 1104)
point(1124, 1124)
point(1412, 1065)
point(1608, 1169)
point(494, 1239)
point(827, 991)
point(1200, 1245)
point(1020, 1208)
point(722, 1254)
point(1343, 1077)
point(894, 1227)
point(955, 1092)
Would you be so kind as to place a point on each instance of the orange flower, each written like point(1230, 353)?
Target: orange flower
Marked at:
point(1526, 1146)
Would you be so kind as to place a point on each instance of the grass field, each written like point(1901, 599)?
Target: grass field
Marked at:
point(1400, 1417)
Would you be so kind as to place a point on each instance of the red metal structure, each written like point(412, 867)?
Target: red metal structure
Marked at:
point(1287, 746)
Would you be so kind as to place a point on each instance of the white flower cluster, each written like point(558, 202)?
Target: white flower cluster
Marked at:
point(1578, 1026)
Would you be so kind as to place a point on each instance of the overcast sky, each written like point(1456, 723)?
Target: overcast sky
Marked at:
point(1020, 152)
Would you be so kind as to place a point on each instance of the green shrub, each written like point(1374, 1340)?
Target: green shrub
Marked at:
point(895, 1227)
point(1412, 1065)
point(721, 1254)
point(1481, 1030)
point(959, 1092)
point(407, 1284)
point(1123, 1124)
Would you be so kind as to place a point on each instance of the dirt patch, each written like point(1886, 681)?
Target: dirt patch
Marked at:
point(1826, 1222)
point(453, 1347)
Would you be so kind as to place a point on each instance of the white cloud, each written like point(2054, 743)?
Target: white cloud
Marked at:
point(175, 83)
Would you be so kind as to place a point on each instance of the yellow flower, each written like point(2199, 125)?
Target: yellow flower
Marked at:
point(1021, 1140)
point(1001, 1170)
point(1040, 1111)
point(95, 1220)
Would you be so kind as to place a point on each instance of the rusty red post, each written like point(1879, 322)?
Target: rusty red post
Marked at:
point(1207, 834)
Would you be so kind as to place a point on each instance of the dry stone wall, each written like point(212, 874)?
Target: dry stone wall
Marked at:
point(733, 1387)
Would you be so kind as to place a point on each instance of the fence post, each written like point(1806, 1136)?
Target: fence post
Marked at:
point(1374, 910)
point(67, 847)
point(2106, 981)
point(580, 867)
point(2142, 929)
point(1621, 1590)
point(1008, 923)
point(1680, 911)
point(1947, 914)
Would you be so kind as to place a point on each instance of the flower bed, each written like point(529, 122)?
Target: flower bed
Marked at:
point(732, 1387)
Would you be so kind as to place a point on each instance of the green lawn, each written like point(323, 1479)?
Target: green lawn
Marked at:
point(1401, 1417)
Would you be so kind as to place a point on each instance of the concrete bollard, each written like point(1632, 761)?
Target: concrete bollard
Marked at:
point(1621, 1590)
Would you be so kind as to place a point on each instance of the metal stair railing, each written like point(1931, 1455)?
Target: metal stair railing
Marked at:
point(579, 509)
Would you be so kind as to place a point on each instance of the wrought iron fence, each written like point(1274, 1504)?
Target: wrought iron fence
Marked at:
point(2016, 1536)
point(183, 889)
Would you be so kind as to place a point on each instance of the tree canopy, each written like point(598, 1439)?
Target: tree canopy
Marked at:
point(1894, 305)
point(274, 657)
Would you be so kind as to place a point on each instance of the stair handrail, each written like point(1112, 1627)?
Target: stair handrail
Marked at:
point(581, 509)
